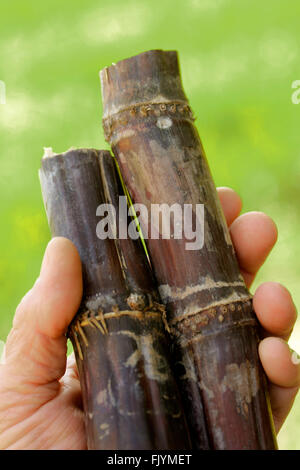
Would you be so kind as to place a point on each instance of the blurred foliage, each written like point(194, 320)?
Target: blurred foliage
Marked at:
point(238, 61)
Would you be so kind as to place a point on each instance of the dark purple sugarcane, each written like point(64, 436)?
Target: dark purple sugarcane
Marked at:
point(130, 398)
point(149, 124)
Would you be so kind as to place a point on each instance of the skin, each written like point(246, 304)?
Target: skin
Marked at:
point(40, 397)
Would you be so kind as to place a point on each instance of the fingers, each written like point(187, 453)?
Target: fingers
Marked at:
point(36, 346)
point(253, 235)
point(282, 400)
point(231, 203)
point(275, 309)
point(282, 367)
point(279, 362)
point(60, 284)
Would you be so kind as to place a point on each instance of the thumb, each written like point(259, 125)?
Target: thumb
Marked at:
point(36, 347)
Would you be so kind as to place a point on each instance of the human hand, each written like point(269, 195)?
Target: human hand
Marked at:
point(40, 397)
point(254, 235)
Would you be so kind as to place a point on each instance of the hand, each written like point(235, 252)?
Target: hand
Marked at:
point(40, 398)
point(254, 235)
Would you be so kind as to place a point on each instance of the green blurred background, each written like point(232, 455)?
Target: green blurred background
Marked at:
point(238, 60)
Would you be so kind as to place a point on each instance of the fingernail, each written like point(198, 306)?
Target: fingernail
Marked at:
point(295, 358)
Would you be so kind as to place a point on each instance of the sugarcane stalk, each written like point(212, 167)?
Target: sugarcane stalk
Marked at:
point(149, 124)
point(130, 398)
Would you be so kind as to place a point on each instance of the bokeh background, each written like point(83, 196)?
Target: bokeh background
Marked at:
point(238, 61)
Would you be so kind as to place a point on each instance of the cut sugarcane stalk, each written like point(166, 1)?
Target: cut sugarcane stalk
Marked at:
point(130, 398)
point(150, 126)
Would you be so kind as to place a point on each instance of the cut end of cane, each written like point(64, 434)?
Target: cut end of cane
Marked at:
point(48, 152)
point(149, 77)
